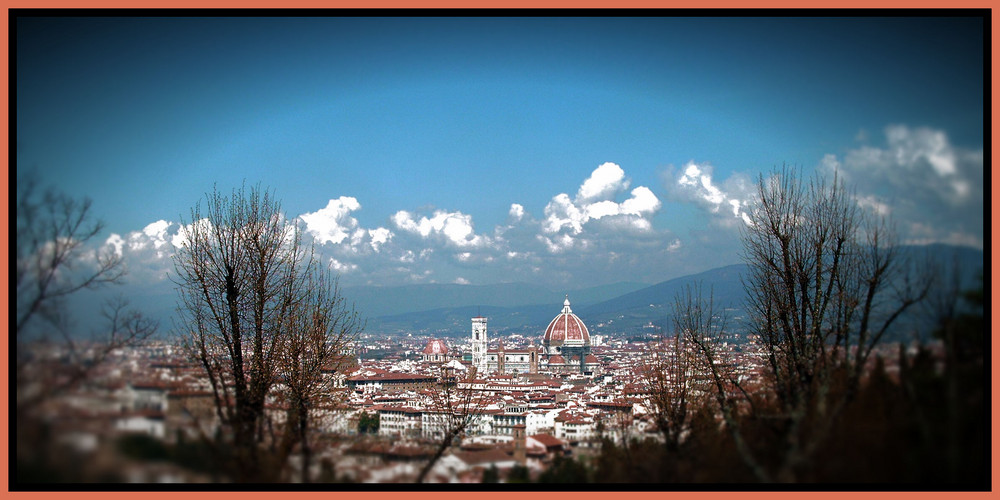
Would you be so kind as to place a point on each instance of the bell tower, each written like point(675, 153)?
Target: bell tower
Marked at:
point(479, 344)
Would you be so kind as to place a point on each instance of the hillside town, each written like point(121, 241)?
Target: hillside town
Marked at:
point(513, 405)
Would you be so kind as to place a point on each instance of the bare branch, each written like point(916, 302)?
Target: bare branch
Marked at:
point(54, 232)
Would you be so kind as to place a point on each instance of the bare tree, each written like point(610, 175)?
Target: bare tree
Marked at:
point(672, 384)
point(706, 328)
point(56, 369)
point(55, 260)
point(320, 331)
point(824, 284)
point(458, 404)
point(54, 234)
point(248, 295)
point(621, 429)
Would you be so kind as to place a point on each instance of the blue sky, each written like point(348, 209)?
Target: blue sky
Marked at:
point(424, 150)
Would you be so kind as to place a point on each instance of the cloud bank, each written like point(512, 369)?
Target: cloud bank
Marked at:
point(932, 189)
point(603, 233)
point(610, 230)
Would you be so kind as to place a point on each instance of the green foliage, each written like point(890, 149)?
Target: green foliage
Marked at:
point(491, 475)
point(706, 456)
point(368, 423)
point(142, 447)
point(519, 474)
point(565, 470)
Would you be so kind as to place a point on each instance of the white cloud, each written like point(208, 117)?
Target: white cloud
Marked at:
point(148, 252)
point(932, 188)
point(602, 209)
point(408, 257)
point(920, 158)
point(342, 267)
point(455, 227)
point(557, 244)
point(695, 183)
point(604, 182)
point(380, 236)
point(154, 236)
point(909, 146)
point(333, 223)
point(603, 234)
point(157, 232)
point(516, 212)
point(116, 242)
point(562, 212)
point(180, 238)
point(595, 201)
point(643, 202)
point(873, 204)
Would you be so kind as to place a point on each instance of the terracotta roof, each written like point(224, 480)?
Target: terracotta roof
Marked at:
point(404, 409)
point(392, 376)
point(547, 440)
point(483, 457)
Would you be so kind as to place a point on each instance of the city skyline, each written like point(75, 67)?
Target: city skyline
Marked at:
point(560, 151)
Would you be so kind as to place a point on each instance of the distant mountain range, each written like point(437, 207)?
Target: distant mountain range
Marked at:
point(640, 308)
point(378, 301)
point(628, 309)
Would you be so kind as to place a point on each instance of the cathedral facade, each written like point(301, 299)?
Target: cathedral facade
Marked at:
point(565, 348)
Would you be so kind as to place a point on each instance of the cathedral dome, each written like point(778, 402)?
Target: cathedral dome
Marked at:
point(435, 346)
point(566, 329)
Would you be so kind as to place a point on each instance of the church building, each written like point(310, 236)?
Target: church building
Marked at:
point(566, 344)
point(565, 349)
point(435, 352)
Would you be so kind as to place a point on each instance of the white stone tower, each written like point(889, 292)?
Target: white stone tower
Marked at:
point(479, 344)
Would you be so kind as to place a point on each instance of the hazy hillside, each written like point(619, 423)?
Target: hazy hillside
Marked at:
point(445, 310)
point(376, 301)
point(633, 312)
point(629, 313)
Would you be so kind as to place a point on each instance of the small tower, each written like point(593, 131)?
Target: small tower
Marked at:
point(500, 357)
point(520, 444)
point(533, 359)
point(479, 344)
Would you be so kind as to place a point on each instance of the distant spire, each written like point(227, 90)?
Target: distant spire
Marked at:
point(566, 309)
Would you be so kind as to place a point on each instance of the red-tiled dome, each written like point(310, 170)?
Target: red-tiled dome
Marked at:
point(557, 360)
point(436, 346)
point(566, 329)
